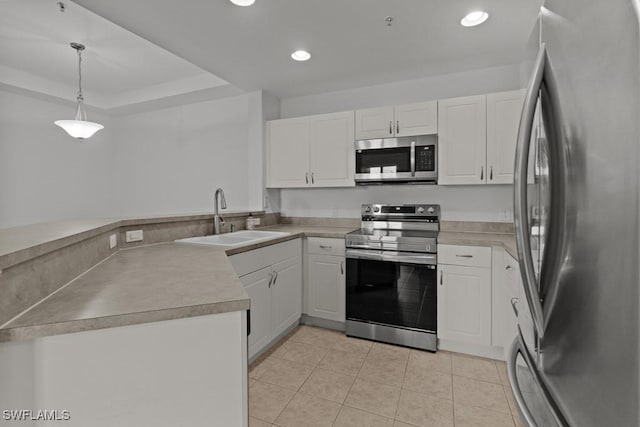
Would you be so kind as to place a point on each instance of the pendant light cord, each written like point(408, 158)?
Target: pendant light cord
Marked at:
point(80, 113)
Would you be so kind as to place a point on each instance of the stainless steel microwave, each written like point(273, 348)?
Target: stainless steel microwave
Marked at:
point(410, 159)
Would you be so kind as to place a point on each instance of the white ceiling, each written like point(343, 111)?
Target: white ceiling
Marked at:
point(349, 40)
point(145, 50)
point(118, 67)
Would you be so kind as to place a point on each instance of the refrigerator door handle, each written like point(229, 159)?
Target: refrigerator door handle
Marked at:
point(521, 223)
point(519, 347)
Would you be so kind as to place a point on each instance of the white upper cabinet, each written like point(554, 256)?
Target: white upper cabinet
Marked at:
point(462, 140)
point(288, 153)
point(372, 123)
point(503, 119)
point(313, 151)
point(402, 120)
point(332, 154)
point(416, 119)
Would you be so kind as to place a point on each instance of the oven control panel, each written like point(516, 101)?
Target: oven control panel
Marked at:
point(380, 212)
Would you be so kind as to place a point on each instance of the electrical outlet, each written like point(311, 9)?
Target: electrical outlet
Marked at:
point(113, 241)
point(134, 236)
point(266, 202)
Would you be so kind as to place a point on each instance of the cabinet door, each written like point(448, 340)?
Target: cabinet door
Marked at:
point(462, 140)
point(503, 120)
point(464, 304)
point(288, 153)
point(286, 294)
point(326, 286)
point(257, 287)
point(416, 119)
point(503, 319)
point(374, 123)
point(332, 154)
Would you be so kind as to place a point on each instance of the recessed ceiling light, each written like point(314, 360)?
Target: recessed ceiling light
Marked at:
point(301, 55)
point(474, 18)
point(243, 2)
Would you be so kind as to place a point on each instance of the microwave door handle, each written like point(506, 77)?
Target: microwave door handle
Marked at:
point(413, 158)
point(519, 347)
point(521, 222)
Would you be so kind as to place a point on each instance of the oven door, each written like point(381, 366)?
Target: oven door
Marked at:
point(393, 289)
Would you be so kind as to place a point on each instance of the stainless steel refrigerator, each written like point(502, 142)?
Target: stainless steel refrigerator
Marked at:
point(575, 361)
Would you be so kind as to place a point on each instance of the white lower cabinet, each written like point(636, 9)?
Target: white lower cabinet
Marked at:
point(325, 285)
point(286, 294)
point(464, 299)
point(504, 287)
point(464, 304)
point(257, 287)
point(272, 277)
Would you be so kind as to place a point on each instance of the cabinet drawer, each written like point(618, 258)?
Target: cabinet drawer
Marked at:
point(472, 256)
point(325, 246)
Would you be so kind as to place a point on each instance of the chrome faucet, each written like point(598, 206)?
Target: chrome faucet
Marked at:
point(217, 219)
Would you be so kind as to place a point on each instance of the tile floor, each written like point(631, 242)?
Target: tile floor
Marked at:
point(319, 377)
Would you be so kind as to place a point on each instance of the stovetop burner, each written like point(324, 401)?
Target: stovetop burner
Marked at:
point(410, 228)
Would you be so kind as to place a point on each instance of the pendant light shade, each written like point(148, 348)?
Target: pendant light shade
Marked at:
point(79, 128)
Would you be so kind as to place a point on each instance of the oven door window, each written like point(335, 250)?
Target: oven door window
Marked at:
point(383, 160)
point(390, 293)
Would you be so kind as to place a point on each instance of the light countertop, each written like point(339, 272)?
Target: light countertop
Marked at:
point(148, 284)
point(166, 281)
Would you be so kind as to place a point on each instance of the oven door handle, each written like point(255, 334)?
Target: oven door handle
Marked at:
point(401, 257)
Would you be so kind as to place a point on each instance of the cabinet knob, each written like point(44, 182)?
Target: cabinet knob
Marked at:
point(508, 268)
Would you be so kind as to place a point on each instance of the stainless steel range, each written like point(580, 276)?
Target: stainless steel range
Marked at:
point(391, 275)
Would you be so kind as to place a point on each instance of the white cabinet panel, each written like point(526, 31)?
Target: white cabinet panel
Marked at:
point(332, 156)
point(464, 304)
point(272, 277)
point(372, 123)
point(286, 296)
point(503, 120)
point(416, 119)
point(462, 140)
point(257, 287)
point(326, 287)
point(288, 153)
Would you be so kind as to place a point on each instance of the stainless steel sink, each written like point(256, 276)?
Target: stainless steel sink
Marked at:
point(243, 237)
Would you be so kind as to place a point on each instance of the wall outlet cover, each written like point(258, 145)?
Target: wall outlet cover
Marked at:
point(113, 241)
point(134, 236)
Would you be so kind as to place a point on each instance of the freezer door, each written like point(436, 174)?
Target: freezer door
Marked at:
point(535, 404)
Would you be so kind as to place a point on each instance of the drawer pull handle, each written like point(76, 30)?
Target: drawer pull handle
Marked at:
point(325, 247)
point(342, 267)
point(464, 256)
point(441, 274)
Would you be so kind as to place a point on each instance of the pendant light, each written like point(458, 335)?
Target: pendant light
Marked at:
point(79, 128)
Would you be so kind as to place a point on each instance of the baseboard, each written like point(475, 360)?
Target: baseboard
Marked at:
point(496, 353)
point(322, 323)
point(275, 340)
